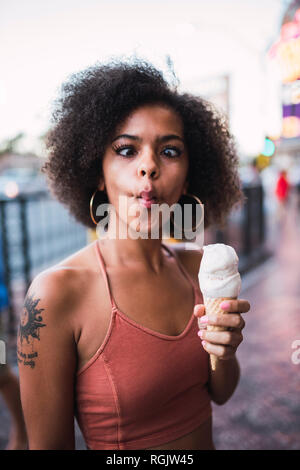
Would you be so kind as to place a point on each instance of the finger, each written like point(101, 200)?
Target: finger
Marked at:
point(199, 310)
point(242, 323)
point(240, 327)
point(221, 351)
point(227, 320)
point(235, 306)
point(221, 337)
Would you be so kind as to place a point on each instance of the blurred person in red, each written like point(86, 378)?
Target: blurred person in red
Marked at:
point(282, 192)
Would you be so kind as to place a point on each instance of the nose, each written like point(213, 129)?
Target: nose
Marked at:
point(148, 166)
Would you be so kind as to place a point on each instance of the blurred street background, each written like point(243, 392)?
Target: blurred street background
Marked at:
point(244, 56)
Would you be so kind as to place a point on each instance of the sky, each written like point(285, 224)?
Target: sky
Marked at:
point(43, 42)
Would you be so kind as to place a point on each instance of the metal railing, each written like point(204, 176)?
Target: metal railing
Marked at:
point(245, 230)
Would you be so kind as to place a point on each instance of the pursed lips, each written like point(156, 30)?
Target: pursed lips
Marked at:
point(147, 198)
point(147, 202)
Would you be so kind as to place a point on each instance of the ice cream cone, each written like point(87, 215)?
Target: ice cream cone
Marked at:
point(212, 307)
point(219, 280)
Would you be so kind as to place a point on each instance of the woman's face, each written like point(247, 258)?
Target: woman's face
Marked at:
point(147, 152)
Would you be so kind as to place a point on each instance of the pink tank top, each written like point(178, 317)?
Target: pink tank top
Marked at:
point(142, 388)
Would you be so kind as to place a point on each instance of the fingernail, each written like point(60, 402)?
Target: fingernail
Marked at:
point(204, 319)
point(196, 310)
point(203, 343)
point(225, 305)
point(200, 333)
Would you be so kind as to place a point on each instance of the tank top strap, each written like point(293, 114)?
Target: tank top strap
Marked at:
point(104, 273)
point(198, 296)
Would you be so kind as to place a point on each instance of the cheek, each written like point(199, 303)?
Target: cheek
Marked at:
point(119, 178)
point(175, 181)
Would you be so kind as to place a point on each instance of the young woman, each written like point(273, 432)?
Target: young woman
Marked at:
point(109, 334)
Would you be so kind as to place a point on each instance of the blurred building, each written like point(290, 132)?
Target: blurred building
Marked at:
point(15, 160)
point(230, 68)
point(218, 49)
point(285, 53)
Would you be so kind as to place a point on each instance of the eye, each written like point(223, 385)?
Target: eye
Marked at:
point(172, 152)
point(123, 150)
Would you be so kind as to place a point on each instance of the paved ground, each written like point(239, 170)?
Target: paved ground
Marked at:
point(264, 412)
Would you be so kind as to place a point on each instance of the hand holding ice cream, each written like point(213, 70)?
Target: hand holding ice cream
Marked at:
point(220, 281)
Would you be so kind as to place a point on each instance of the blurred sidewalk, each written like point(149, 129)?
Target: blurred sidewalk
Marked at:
point(264, 412)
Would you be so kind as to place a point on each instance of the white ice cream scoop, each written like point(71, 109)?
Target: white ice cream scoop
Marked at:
point(218, 274)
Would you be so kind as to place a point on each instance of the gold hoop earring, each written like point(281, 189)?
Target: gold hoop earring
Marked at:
point(200, 203)
point(91, 206)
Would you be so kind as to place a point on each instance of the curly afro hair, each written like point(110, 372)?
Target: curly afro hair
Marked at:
point(95, 101)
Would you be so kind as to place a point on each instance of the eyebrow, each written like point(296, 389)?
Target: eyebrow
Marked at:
point(163, 138)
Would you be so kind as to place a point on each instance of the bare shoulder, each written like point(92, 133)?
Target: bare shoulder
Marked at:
point(62, 286)
point(190, 255)
point(49, 314)
point(64, 281)
point(55, 286)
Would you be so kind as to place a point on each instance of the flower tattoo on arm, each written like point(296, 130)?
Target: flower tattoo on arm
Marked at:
point(29, 330)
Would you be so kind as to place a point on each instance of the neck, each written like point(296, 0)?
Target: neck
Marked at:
point(128, 251)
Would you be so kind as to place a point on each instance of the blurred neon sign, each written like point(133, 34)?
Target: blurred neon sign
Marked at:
point(289, 59)
point(287, 49)
point(290, 127)
point(291, 109)
point(287, 52)
point(269, 148)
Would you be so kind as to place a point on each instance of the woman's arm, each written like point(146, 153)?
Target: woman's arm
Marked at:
point(224, 379)
point(47, 362)
point(223, 344)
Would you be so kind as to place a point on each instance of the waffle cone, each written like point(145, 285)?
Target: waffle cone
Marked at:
point(212, 307)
